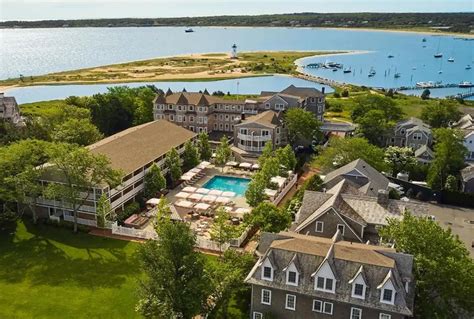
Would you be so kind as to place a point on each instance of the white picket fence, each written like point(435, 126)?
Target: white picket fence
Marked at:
point(132, 232)
point(82, 221)
point(286, 189)
point(210, 245)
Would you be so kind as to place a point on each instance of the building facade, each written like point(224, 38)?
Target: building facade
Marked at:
point(9, 110)
point(133, 151)
point(201, 112)
point(412, 133)
point(300, 277)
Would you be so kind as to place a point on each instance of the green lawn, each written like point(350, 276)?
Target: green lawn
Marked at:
point(49, 272)
point(43, 108)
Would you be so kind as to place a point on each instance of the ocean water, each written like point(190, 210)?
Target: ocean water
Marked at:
point(39, 51)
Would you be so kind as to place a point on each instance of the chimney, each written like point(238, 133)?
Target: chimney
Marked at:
point(323, 89)
point(382, 197)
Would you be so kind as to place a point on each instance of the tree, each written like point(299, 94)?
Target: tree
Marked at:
point(204, 147)
point(441, 113)
point(286, 157)
point(190, 156)
point(301, 125)
point(103, 209)
point(76, 131)
point(443, 269)
point(154, 181)
point(374, 126)
point(173, 163)
point(223, 151)
point(400, 159)
point(228, 280)
point(267, 153)
point(392, 112)
point(451, 183)
point(221, 230)
point(270, 168)
point(269, 218)
point(75, 170)
point(176, 285)
point(450, 153)
point(342, 151)
point(425, 95)
point(255, 192)
point(314, 183)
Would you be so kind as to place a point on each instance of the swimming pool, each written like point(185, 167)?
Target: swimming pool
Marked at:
point(228, 183)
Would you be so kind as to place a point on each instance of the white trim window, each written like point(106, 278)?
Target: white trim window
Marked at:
point(387, 296)
point(358, 290)
point(356, 313)
point(266, 297)
point(317, 305)
point(342, 228)
point(267, 270)
point(385, 316)
point(328, 308)
point(290, 302)
point(292, 275)
point(324, 284)
point(319, 226)
point(257, 315)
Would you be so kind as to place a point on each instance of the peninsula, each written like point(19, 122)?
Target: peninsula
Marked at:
point(192, 67)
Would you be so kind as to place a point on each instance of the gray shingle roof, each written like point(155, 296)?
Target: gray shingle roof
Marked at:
point(346, 260)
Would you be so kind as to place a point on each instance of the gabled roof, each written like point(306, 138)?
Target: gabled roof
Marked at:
point(303, 92)
point(424, 148)
point(376, 182)
point(267, 118)
point(467, 173)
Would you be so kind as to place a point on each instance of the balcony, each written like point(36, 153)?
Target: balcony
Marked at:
point(256, 138)
point(251, 148)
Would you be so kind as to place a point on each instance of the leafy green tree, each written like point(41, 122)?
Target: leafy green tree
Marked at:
point(450, 153)
point(76, 169)
point(342, 151)
point(443, 269)
point(103, 209)
point(314, 183)
point(400, 159)
point(269, 218)
point(154, 181)
point(176, 284)
point(391, 111)
point(190, 156)
point(286, 157)
point(451, 183)
point(228, 281)
point(441, 113)
point(270, 168)
point(222, 231)
point(204, 147)
point(173, 163)
point(374, 126)
point(255, 192)
point(76, 131)
point(301, 125)
point(267, 153)
point(223, 151)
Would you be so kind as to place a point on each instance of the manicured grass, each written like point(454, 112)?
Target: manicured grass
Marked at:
point(49, 272)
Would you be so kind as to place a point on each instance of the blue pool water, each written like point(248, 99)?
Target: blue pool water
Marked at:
point(228, 183)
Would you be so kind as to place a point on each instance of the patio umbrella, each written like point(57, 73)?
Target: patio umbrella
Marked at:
point(215, 192)
point(280, 181)
point(242, 210)
point(255, 166)
point(209, 198)
point(153, 201)
point(222, 200)
point(182, 195)
point(202, 206)
point(196, 197)
point(229, 194)
point(189, 189)
point(231, 163)
point(186, 177)
point(202, 191)
point(184, 203)
point(227, 208)
point(245, 165)
point(270, 192)
point(195, 170)
point(203, 164)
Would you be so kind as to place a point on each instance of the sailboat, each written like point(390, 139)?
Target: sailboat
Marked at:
point(451, 59)
point(424, 40)
point(347, 70)
point(438, 54)
point(468, 67)
point(372, 72)
point(397, 74)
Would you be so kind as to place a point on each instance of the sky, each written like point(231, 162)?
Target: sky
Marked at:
point(91, 9)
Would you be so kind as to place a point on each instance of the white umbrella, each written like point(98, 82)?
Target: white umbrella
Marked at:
point(189, 189)
point(242, 210)
point(209, 198)
point(215, 192)
point(280, 181)
point(202, 191)
point(245, 165)
point(183, 195)
point(255, 166)
point(186, 177)
point(195, 170)
point(228, 194)
point(231, 163)
point(227, 208)
point(203, 164)
point(184, 203)
point(202, 206)
point(196, 197)
point(270, 192)
point(153, 201)
point(223, 200)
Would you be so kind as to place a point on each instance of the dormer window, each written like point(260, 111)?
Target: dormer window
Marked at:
point(319, 226)
point(324, 278)
point(267, 270)
point(358, 285)
point(387, 290)
point(291, 275)
point(387, 296)
point(358, 291)
point(324, 283)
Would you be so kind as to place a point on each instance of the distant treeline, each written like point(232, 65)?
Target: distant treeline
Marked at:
point(453, 22)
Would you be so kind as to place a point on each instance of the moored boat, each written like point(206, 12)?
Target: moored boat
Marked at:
point(188, 30)
point(466, 84)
